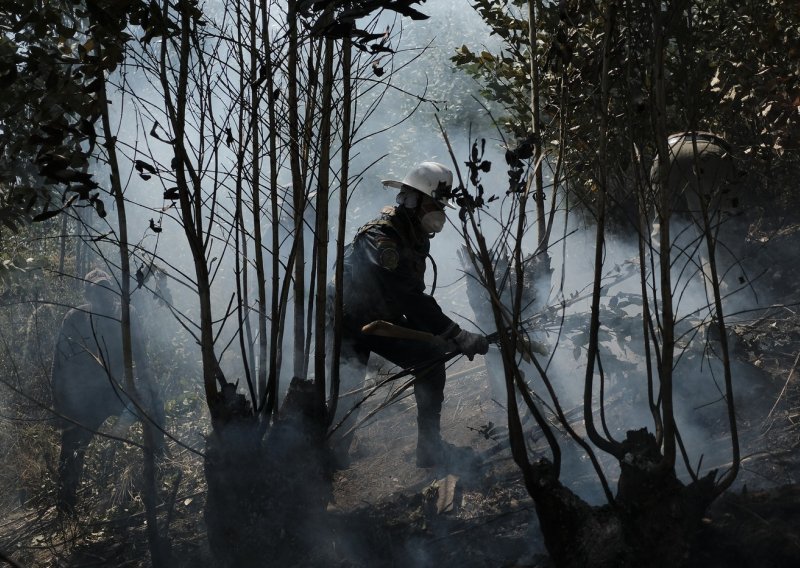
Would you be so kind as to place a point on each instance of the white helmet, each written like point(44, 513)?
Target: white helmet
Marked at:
point(431, 178)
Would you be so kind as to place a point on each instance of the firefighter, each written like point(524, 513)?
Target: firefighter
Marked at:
point(88, 380)
point(384, 279)
point(703, 190)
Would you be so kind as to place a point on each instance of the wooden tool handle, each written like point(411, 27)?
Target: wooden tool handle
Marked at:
point(386, 329)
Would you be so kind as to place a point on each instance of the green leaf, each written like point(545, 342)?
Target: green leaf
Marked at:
point(45, 215)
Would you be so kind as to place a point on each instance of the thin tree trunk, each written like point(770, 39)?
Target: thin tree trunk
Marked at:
point(298, 195)
point(159, 555)
point(269, 374)
point(667, 309)
point(534, 7)
point(189, 191)
point(323, 189)
point(310, 152)
point(342, 220)
point(240, 239)
point(256, 157)
point(604, 444)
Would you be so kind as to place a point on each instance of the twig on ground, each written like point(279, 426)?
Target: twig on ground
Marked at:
point(8, 560)
point(783, 390)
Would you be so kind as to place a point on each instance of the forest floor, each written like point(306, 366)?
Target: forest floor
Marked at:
point(387, 512)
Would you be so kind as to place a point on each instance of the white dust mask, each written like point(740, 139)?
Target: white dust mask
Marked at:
point(433, 221)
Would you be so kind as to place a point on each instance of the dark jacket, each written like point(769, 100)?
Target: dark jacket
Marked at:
point(384, 275)
point(87, 351)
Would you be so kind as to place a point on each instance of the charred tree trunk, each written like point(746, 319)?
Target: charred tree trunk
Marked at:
point(652, 521)
point(234, 466)
point(265, 495)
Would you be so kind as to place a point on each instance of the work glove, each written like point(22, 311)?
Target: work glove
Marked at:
point(471, 344)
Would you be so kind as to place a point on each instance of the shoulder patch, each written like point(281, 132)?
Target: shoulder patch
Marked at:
point(389, 257)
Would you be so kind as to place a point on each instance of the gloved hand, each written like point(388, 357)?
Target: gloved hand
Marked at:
point(471, 344)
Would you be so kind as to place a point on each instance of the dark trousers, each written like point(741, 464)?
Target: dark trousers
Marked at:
point(405, 353)
point(74, 441)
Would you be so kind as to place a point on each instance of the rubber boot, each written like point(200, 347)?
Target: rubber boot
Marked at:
point(429, 394)
point(340, 451)
point(429, 441)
